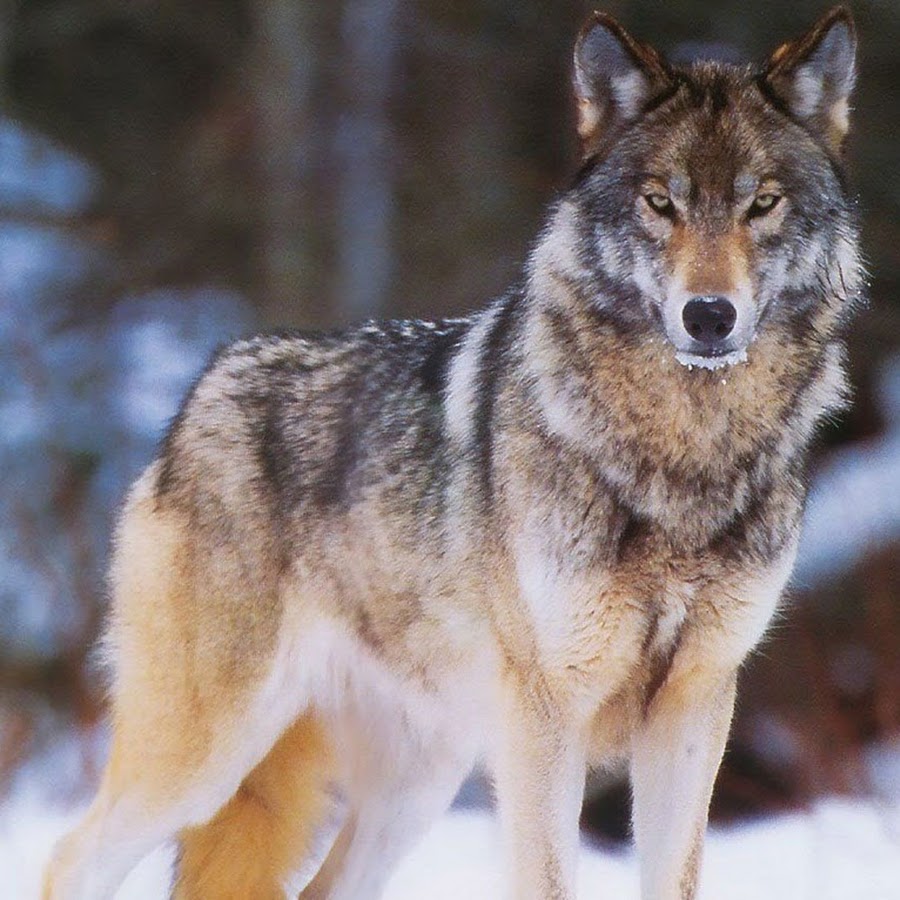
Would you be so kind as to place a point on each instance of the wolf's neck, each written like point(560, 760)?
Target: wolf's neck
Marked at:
point(676, 445)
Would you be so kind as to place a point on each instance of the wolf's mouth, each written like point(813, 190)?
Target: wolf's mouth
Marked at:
point(731, 358)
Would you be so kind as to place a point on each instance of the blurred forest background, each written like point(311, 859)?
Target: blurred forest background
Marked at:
point(175, 174)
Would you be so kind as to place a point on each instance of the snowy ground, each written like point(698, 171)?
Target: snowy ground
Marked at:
point(839, 851)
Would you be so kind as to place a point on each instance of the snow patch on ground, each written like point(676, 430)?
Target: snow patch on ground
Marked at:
point(841, 850)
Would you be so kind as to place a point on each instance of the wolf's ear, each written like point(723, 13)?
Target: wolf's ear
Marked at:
point(814, 76)
point(615, 76)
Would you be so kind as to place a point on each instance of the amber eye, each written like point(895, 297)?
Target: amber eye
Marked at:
point(762, 205)
point(660, 203)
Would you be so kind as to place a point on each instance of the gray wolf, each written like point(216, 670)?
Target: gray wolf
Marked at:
point(542, 537)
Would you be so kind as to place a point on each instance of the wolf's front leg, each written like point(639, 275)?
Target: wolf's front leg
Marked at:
point(539, 769)
point(675, 757)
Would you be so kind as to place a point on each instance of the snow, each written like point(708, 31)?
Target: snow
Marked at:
point(35, 174)
point(854, 503)
point(840, 850)
point(691, 360)
point(161, 341)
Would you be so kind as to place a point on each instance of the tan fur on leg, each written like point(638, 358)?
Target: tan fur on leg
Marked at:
point(187, 724)
point(324, 880)
point(251, 846)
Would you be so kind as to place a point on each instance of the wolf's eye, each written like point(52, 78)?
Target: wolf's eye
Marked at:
point(762, 205)
point(659, 203)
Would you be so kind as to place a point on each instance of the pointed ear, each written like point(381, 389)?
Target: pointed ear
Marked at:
point(814, 76)
point(614, 78)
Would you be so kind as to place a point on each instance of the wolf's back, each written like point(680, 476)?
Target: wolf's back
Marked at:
point(292, 422)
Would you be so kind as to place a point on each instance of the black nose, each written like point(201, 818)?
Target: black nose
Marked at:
point(709, 320)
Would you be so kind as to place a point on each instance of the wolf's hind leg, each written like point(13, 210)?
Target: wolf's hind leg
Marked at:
point(145, 798)
point(254, 843)
point(198, 695)
point(391, 809)
point(375, 839)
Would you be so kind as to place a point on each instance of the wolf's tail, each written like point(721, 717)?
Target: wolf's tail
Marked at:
point(254, 843)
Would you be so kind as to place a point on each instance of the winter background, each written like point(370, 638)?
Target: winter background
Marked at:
point(173, 175)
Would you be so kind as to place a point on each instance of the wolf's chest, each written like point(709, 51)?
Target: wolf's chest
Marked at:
point(595, 627)
point(602, 629)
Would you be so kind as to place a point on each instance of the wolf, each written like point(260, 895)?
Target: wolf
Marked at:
point(542, 537)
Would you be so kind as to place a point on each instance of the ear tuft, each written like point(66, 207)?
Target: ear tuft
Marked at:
point(614, 77)
point(814, 76)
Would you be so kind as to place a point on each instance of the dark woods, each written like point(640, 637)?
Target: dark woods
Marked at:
point(174, 174)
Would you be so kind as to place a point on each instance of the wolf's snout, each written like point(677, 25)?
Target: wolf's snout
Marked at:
point(709, 320)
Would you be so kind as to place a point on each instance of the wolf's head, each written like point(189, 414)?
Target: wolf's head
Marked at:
point(711, 202)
